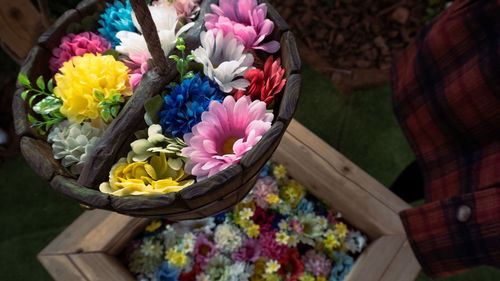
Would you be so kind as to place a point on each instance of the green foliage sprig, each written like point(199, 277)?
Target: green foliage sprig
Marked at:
point(183, 62)
point(48, 107)
point(110, 106)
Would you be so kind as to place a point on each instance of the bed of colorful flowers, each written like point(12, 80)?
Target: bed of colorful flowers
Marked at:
point(217, 110)
point(278, 232)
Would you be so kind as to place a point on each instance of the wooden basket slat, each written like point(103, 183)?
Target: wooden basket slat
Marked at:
point(129, 120)
point(51, 38)
point(88, 7)
point(89, 197)
point(253, 161)
point(40, 158)
point(290, 99)
point(290, 54)
point(21, 123)
point(279, 23)
point(100, 266)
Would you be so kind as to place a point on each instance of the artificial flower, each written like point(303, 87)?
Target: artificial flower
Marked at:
point(138, 65)
point(246, 213)
point(223, 60)
point(259, 269)
point(151, 247)
point(311, 229)
point(272, 199)
point(117, 17)
point(183, 107)
point(191, 275)
point(272, 266)
point(204, 249)
point(142, 260)
point(82, 77)
point(262, 189)
point(264, 85)
point(316, 263)
point(77, 45)
point(153, 225)
point(249, 252)
point(218, 267)
point(279, 172)
point(292, 266)
point(307, 277)
point(341, 230)
point(186, 9)
point(343, 264)
point(262, 218)
point(205, 225)
point(355, 241)
point(331, 242)
point(253, 230)
point(167, 273)
point(305, 206)
point(270, 247)
point(155, 142)
point(144, 178)
point(176, 258)
point(227, 131)
point(296, 226)
point(165, 19)
point(240, 271)
point(73, 143)
point(292, 193)
point(282, 238)
point(246, 20)
point(228, 238)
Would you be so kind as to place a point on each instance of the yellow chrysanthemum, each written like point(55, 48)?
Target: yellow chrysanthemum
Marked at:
point(341, 230)
point(292, 193)
point(82, 76)
point(178, 259)
point(259, 269)
point(272, 266)
point(282, 238)
point(144, 178)
point(153, 225)
point(306, 277)
point(272, 198)
point(246, 213)
point(320, 278)
point(331, 241)
point(240, 206)
point(253, 230)
point(279, 172)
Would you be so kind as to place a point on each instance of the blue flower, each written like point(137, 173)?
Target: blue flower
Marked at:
point(183, 107)
point(305, 206)
point(117, 17)
point(166, 273)
point(220, 217)
point(343, 264)
point(265, 171)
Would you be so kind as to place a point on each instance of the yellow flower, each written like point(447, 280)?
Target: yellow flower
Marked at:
point(292, 193)
point(81, 76)
point(306, 277)
point(259, 269)
point(272, 266)
point(282, 238)
point(253, 230)
point(271, 277)
point(246, 213)
point(279, 172)
point(153, 225)
point(331, 241)
point(272, 198)
point(144, 178)
point(341, 230)
point(178, 259)
point(320, 278)
point(240, 206)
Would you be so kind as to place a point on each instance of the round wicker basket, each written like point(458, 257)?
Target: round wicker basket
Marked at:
point(202, 199)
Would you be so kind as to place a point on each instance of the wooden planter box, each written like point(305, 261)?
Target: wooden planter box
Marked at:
point(86, 250)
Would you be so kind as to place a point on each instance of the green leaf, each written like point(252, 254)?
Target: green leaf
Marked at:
point(50, 85)
point(40, 83)
point(190, 57)
point(188, 75)
point(106, 114)
point(32, 98)
point(23, 79)
point(174, 57)
point(47, 105)
point(99, 95)
point(116, 98)
point(180, 41)
point(32, 119)
point(152, 106)
point(24, 94)
point(111, 52)
point(114, 110)
point(180, 47)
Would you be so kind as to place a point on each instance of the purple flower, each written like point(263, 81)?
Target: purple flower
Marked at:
point(249, 252)
point(204, 249)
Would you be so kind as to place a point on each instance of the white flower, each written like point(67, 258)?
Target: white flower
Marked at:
point(223, 60)
point(73, 143)
point(187, 244)
point(272, 266)
point(240, 271)
point(152, 248)
point(165, 19)
point(228, 238)
point(203, 277)
point(205, 225)
point(355, 241)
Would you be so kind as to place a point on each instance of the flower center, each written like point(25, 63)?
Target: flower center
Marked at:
point(227, 147)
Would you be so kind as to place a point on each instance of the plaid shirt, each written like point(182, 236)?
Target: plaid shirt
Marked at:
point(446, 94)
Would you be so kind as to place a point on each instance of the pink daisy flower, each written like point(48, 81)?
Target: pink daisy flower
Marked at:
point(226, 132)
point(138, 65)
point(204, 249)
point(77, 45)
point(263, 187)
point(246, 20)
point(317, 263)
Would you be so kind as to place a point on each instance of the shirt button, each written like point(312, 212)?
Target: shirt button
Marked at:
point(463, 213)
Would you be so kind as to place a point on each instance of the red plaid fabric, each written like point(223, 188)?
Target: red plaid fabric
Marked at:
point(446, 95)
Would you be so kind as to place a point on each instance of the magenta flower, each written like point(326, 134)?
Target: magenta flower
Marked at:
point(250, 251)
point(270, 247)
point(263, 187)
point(246, 20)
point(138, 65)
point(77, 45)
point(317, 263)
point(296, 226)
point(226, 132)
point(204, 249)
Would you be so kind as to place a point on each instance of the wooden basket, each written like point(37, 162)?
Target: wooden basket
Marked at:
point(201, 199)
point(88, 249)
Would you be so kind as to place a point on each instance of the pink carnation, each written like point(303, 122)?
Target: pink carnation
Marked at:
point(204, 249)
point(317, 263)
point(270, 247)
point(246, 20)
point(138, 65)
point(226, 132)
point(262, 189)
point(249, 252)
point(77, 45)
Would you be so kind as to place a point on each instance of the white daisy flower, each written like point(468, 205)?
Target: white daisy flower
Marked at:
point(223, 60)
point(165, 19)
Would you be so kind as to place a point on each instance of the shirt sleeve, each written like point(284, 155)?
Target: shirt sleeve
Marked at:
point(457, 233)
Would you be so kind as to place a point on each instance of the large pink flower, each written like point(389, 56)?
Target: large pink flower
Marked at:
point(226, 132)
point(186, 9)
point(204, 249)
point(77, 45)
point(246, 20)
point(138, 65)
point(264, 187)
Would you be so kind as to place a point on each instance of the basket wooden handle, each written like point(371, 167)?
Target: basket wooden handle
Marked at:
point(150, 34)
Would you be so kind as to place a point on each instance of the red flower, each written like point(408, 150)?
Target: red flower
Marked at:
point(264, 85)
point(190, 276)
point(262, 218)
point(291, 265)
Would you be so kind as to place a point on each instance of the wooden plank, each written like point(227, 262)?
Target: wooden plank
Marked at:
point(373, 262)
point(61, 268)
point(101, 267)
point(404, 266)
point(86, 196)
point(290, 99)
point(40, 158)
point(20, 25)
point(96, 231)
point(347, 168)
point(52, 37)
point(365, 203)
point(290, 54)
